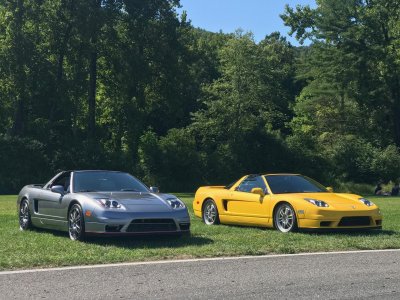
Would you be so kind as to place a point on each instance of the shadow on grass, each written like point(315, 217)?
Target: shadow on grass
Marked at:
point(349, 232)
point(151, 241)
point(148, 241)
point(326, 231)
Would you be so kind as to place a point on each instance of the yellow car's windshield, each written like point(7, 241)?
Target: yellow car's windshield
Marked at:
point(284, 184)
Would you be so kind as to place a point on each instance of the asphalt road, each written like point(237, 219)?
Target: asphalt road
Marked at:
point(373, 275)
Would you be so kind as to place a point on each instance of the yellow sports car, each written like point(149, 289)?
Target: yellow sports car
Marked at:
point(286, 202)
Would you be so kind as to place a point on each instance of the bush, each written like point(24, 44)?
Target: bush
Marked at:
point(22, 161)
point(170, 162)
point(354, 188)
point(386, 164)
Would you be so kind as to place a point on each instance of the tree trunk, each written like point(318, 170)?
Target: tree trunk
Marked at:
point(92, 94)
point(19, 75)
point(93, 70)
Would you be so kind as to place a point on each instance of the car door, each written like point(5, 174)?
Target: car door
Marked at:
point(248, 207)
point(51, 207)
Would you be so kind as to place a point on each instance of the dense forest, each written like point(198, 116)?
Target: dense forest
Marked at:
point(131, 85)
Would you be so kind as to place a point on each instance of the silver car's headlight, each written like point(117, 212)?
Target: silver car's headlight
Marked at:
point(175, 203)
point(318, 203)
point(366, 202)
point(109, 203)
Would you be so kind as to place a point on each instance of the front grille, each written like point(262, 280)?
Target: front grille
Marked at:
point(152, 225)
point(355, 221)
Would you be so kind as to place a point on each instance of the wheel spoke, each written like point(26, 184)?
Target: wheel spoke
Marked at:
point(75, 223)
point(210, 213)
point(285, 218)
point(24, 215)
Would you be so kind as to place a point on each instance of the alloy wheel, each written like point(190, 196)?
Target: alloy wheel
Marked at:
point(24, 216)
point(285, 218)
point(75, 223)
point(210, 213)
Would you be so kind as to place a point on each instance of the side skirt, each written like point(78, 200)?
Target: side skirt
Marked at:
point(47, 223)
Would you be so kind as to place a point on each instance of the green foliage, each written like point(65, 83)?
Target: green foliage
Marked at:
point(386, 164)
point(348, 112)
point(81, 83)
point(171, 162)
point(21, 159)
point(247, 105)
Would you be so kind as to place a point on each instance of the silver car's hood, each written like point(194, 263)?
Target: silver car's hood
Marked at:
point(135, 201)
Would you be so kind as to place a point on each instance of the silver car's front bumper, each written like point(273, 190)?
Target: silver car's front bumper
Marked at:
point(133, 223)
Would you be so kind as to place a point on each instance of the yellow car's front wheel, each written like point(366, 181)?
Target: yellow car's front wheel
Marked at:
point(285, 218)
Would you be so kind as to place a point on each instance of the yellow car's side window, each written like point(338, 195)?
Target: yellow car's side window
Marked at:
point(250, 183)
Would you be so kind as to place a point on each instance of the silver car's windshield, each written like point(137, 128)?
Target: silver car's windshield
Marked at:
point(283, 184)
point(98, 181)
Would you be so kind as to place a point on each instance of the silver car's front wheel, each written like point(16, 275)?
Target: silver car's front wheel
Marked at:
point(285, 218)
point(76, 224)
point(25, 222)
point(210, 213)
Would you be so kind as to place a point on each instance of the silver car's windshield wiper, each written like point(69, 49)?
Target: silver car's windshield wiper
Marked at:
point(86, 191)
point(128, 190)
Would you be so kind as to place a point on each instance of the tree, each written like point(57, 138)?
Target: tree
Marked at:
point(240, 124)
point(349, 109)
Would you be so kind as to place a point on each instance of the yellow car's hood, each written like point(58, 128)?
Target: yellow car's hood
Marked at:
point(336, 200)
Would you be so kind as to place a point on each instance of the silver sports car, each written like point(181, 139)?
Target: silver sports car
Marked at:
point(100, 203)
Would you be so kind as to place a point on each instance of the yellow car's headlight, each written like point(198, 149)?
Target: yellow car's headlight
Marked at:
point(366, 202)
point(318, 203)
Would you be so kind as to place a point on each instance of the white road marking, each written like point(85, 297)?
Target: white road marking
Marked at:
point(175, 261)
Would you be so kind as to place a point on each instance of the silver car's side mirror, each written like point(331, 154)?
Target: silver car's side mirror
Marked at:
point(59, 189)
point(154, 189)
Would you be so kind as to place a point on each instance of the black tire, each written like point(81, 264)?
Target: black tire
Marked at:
point(24, 215)
point(285, 218)
point(210, 213)
point(76, 223)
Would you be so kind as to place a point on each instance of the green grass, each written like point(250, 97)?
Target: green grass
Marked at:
point(40, 248)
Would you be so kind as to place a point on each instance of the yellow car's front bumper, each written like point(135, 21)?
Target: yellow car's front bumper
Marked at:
point(341, 219)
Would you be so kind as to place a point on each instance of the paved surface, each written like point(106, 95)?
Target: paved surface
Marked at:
point(373, 275)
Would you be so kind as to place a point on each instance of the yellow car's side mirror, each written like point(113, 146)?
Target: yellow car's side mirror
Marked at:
point(258, 191)
point(329, 189)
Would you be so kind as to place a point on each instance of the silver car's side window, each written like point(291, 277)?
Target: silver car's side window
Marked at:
point(63, 180)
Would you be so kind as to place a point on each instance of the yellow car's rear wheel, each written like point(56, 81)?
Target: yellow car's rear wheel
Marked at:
point(285, 218)
point(210, 212)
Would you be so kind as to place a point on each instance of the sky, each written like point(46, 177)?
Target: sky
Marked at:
point(258, 16)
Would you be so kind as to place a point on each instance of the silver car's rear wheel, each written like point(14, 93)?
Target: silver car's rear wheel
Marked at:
point(25, 222)
point(210, 213)
point(76, 223)
point(285, 218)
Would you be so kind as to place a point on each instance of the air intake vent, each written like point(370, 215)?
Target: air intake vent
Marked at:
point(152, 225)
point(355, 221)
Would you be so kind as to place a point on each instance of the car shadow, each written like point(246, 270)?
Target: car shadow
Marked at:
point(148, 241)
point(349, 232)
point(151, 241)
